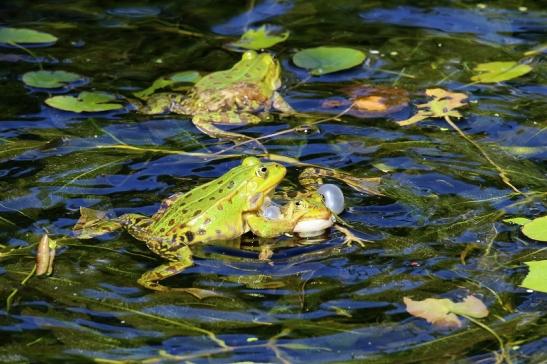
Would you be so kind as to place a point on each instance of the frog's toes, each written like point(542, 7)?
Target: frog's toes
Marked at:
point(350, 238)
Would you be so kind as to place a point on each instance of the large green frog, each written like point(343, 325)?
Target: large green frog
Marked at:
point(222, 209)
point(232, 96)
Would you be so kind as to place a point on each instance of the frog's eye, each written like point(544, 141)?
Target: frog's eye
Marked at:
point(262, 171)
point(300, 204)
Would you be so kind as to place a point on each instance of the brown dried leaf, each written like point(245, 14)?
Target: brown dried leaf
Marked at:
point(45, 254)
point(370, 101)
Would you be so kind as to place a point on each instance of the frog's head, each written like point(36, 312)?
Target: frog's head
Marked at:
point(309, 212)
point(260, 179)
point(263, 68)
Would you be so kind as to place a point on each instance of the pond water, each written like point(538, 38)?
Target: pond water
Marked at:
point(437, 232)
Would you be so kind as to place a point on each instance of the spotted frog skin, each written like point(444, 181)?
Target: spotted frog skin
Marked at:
point(222, 209)
point(232, 96)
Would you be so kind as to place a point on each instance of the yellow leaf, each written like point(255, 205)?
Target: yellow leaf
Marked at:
point(442, 312)
point(442, 105)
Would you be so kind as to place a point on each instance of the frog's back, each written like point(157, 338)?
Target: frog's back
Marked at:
point(201, 214)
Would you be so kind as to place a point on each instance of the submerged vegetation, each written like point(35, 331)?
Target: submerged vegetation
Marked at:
point(430, 118)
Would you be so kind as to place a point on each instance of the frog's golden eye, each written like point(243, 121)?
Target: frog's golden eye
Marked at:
point(300, 204)
point(262, 172)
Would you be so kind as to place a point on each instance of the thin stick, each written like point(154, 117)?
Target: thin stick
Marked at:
point(286, 131)
point(501, 171)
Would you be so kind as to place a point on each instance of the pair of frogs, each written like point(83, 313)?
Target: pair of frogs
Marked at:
point(222, 209)
point(233, 204)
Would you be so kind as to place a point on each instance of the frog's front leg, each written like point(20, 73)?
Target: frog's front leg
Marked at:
point(205, 123)
point(280, 104)
point(269, 228)
point(350, 238)
point(151, 278)
point(162, 103)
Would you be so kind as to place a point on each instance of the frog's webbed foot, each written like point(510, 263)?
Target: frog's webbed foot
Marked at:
point(152, 278)
point(94, 223)
point(350, 238)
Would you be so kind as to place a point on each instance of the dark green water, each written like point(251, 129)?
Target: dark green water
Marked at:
point(332, 303)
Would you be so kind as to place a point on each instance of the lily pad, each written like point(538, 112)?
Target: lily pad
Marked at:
point(499, 71)
point(517, 220)
point(536, 229)
point(259, 39)
point(50, 79)
point(25, 36)
point(84, 102)
point(323, 60)
point(167, 81)
point(537, 276)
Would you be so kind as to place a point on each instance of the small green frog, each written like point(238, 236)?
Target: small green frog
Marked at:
point(222, 209)
point(232, 96)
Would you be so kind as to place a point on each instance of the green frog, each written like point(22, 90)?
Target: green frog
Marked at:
point(232, 96)
point(222, 209)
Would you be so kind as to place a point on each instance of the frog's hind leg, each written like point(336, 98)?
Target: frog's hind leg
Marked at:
point(152, 278)
point(206, 124)
point(94, 223)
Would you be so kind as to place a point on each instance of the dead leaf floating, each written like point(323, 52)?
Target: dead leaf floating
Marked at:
point(368, 101)
point(442, 312)
point(45, 254)
point(443, 105)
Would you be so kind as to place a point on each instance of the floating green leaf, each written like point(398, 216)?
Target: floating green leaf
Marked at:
point(536, 229)
point(499, 71)
point(25, 36)
point(259, 39)
point(50, 79)
point(517, 220)
point(537, 276)
point(84, 102)
point(166, 81)
point(323, 60)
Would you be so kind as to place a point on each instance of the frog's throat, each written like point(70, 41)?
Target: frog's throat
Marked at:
point(312, 225)
point(258, 199)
